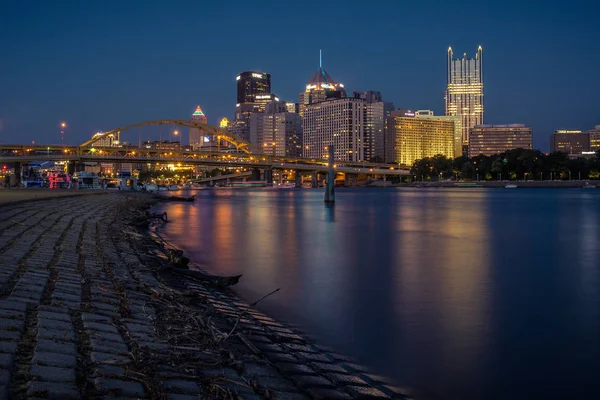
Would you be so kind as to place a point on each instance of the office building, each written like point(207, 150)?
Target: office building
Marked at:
point(572, 142)
point(197, 140)
point(594, 138)
point(251, 84)
point(495, 139)
point(338, 121)
point(253, 92)
point(376, 110)
point(318, 87)
point(418, 137)
point(276, 132)
point(464, 94)
point(458, 148)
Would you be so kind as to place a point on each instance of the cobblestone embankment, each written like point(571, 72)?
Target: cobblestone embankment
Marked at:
point(88, 310)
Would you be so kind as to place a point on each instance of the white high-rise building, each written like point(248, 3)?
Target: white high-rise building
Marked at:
point(336, 121)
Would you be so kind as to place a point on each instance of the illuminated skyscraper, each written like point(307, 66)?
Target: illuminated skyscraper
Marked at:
point(196, 139)
point(464, 95)
point(337, 121)
point(317, 88)
point(253, 92)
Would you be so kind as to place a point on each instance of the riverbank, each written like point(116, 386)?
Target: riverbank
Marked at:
point(90, 308)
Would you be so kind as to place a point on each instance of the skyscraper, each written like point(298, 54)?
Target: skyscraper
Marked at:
point(253, 92)
point(464, 94)
point(318, 87)
point(196, 139)
point(376, 112)
point(336, 121)
point(250, 84)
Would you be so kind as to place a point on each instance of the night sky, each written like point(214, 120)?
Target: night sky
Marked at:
point(99, 65)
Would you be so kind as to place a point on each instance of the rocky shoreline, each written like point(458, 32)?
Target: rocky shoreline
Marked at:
point(90, 308)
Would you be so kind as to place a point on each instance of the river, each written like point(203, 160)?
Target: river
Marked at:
point(457, 293)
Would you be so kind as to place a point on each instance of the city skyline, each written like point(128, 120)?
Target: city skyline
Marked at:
point(111, 86)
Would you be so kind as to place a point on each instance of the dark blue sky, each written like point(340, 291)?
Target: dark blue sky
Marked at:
point(103, 64)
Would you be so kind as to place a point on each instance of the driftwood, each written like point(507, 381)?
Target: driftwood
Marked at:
point(221, 281)
point(176, 198)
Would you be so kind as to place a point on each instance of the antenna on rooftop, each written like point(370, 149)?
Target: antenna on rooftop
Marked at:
point(320, 58)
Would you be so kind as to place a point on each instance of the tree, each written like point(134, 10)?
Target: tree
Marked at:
point(467, 171)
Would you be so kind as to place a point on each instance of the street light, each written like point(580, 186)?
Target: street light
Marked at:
point(63, 125)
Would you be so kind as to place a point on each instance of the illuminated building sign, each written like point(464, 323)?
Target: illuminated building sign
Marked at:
point(566, 131)
point(263, 96)
point(206, 139)
point(237, 78)
point(255, 75)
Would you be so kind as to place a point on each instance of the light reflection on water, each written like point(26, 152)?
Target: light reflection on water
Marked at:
point(474, 293)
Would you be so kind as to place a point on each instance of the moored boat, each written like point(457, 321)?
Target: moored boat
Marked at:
point(511, 186)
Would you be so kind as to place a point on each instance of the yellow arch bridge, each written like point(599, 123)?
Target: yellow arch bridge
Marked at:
point(230, 151)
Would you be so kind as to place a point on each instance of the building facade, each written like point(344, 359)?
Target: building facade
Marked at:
point(376, 110)
point(495, 139)
point(318, 87)
point(276, 132)
point(572, 142)
point(336, 121)
point(419, 137)
point(594, 138)
point(458, 146)
point(464, 94)
point(253, 92)
point(197, 140)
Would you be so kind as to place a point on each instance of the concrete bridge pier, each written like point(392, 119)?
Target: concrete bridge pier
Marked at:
point(18, 173)
point(298, 181)
point(315, 179)
point(269, 176)
point(350, 180)
point(255, 176)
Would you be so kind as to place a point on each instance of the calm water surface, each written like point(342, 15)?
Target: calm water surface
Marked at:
point(459, 294)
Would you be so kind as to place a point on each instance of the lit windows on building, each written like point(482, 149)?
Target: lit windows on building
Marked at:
point(570, 141)
point(464, 93)
point(416, 138)
point(339, 122)
point(594, 138)
point(495, 139)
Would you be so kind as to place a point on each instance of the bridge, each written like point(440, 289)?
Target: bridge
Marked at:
point(231, 152)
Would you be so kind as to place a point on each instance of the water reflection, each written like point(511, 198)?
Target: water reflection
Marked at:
point(486, 294)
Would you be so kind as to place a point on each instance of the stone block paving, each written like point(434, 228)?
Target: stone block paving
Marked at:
point(73, 317)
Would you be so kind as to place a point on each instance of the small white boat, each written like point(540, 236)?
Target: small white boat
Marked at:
point(511, 186)
point(162, 188)
point(589, 187)
point(173, 187)
point(151, 187)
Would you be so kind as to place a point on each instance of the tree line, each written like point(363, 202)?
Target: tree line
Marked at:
point(517, 164)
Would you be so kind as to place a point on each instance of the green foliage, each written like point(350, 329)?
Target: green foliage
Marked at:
point(512, 164)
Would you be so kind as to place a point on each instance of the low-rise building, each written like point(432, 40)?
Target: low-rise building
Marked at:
point(495, 139)
point(572, 142)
